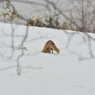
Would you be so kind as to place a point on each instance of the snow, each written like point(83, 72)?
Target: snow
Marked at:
point(43, 73)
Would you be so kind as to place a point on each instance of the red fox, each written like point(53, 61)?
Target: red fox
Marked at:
point(49, 47)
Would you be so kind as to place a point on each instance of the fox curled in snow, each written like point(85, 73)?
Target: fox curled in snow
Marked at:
point(49, 47)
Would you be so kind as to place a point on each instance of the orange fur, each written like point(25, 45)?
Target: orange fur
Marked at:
point(49, 47)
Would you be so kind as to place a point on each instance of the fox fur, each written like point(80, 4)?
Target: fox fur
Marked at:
point(49, 47)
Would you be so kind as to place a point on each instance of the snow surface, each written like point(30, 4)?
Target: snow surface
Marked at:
point(47, 74)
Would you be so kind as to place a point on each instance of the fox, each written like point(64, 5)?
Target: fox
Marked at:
point(49, 47)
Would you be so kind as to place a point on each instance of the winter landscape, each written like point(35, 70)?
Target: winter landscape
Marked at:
point(71, 72)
